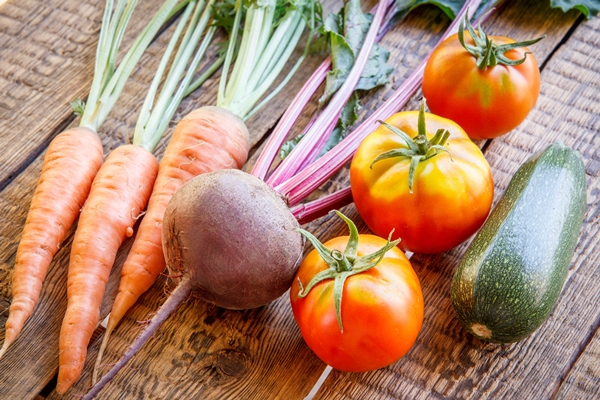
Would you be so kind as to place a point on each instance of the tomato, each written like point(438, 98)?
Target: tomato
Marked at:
point(486, 102)
point(451, 194)
point(381, 308)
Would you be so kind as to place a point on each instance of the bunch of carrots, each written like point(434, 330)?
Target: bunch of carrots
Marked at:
point(112, 194)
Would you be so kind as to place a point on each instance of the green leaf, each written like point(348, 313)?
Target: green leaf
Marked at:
point(376, 71)
point(347, 31)
point(449, 7)
point(452, 7)
point(348, 117)
point(288, 146)
point(355, 24)
point(588, 8)
point(224, 14)
point(78, 107)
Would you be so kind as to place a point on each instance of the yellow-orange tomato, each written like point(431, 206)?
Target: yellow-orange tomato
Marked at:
point(487, 102)
point(451, 195)
point(381, 309)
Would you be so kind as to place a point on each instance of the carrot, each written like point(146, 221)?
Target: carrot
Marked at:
point(207, 139)
point(69, 167)
point(107, 218)
point(213, 138)
point(72, 160)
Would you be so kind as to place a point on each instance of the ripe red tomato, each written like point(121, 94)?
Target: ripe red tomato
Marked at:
point(486, 102)
point(381, 308)
point(451, 194)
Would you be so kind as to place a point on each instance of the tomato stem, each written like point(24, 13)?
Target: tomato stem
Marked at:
point(422, 143)
point(419, 148)
point(488, 53)
point(342, 264)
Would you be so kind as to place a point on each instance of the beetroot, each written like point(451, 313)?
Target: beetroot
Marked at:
point(233, 237)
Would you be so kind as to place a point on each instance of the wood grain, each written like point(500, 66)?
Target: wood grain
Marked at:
point(448, 363)
point(47, 51)
point(583, 381)
point(28, 368)
point(204, 352)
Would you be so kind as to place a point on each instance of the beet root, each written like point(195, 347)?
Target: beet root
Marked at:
point(234, 237)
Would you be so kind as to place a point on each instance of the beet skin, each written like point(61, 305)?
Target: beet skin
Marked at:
point(234, 236)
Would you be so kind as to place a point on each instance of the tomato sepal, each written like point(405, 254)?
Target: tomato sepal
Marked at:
point(342, 265)
point(419, 148)
point(488, 53)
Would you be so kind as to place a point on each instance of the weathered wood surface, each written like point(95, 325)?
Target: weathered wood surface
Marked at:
point(204, 352)
point(27, 369)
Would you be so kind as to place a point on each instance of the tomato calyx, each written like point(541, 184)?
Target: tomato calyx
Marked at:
point(342, 264)
point(488, 53)
point(419, 148)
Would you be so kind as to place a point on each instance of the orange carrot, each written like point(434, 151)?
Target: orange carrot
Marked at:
point(73, 159)
point(119, 194)
point(207, 139)
point(69, 167)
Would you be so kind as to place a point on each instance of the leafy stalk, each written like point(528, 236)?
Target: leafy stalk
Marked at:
point(205, 75)
point(239, 6)
point(275, 142)
point(145, 111)
point(287, 121)
point(272, 29)
point(327, 120)
point(107, 42)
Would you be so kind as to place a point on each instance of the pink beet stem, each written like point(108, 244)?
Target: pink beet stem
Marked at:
point(285, 124)
point(307, 150)
point(310, 211)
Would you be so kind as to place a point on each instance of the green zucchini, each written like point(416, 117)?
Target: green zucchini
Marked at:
point(511, 276)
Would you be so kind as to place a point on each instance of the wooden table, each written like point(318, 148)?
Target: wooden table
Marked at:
point(46, 59)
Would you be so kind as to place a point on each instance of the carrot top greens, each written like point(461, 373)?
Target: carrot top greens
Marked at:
point(270, 32)
point(108, 82)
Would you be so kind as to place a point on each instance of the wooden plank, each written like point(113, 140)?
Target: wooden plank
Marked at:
point(47, 51)
point(446, 362)
point(583, 381)
point(267, 352)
